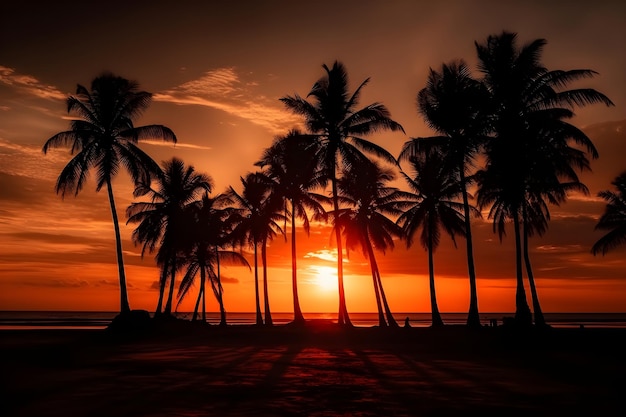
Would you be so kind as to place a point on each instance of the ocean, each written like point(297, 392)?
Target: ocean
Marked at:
point(25, 320)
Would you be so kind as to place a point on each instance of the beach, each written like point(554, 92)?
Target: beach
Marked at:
point(316, 370)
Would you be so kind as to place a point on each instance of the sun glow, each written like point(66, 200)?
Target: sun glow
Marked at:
point(325, 277)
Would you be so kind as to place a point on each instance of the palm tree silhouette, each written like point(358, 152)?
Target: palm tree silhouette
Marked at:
point(435, 187)
point(290, 163)
point(339, 127)
point(528, 106)
point(162, 220)
point(613, 219)
point(103, 137)
point(209, 233)
point(258, 223)
point(365, 222)
point(453, 104)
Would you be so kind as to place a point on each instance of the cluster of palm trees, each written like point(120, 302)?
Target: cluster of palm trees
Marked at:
point(504, 136)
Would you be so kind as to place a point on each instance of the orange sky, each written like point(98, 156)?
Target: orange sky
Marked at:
point(217, 73)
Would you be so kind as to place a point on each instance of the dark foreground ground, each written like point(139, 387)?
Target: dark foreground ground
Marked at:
point(319, 370)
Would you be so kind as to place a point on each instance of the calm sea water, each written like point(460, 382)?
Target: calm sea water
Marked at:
point(100, 319)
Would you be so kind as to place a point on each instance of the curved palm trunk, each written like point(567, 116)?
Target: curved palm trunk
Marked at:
point(473, 318)
point(539, 319)
point(124, 305)
point(523, 316)
point(259, 316)
point(196, 307)
point(204, 306)
point(170, 296)
point(203, 292)
point(436, 317)
point(381, 316)
point(297, 312)
point(266, 297)
point(200, 293)
point(162, 282)
point(220, 298)
point(390, 319)
point(343, 318)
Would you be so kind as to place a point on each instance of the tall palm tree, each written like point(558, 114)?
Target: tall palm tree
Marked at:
point(453, 104)
point(290, 163)
point(205, 252)
point(258, 223)
point(435, 188)
point(103, 136)
point(529, 105)
point(161, 220)
point(614, 217)
point(339, 126)
point(366, 222)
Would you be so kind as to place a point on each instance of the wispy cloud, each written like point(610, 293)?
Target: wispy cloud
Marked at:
point(28, 84)
point(175, 145)
point(226, 90)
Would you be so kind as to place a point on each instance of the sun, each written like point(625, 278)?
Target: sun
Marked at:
point(325, 277)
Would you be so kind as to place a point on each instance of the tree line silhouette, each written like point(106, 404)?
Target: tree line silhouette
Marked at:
point(506, 135)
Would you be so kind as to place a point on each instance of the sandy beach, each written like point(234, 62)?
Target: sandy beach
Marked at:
point(319, 370)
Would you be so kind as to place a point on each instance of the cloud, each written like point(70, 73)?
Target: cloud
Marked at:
point(223, 89)
point(229, 280)
point(29, 85)
point(175, 145)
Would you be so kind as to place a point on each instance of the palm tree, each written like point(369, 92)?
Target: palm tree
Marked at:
point(290, 164)
point(161, 221)
point(614, 217)
point(435, 187)
point(102, 136)
point(366, 223)
point(258, 223)
point(529, 106)
point(453, 105)
point(338, 127)
point(209, 230)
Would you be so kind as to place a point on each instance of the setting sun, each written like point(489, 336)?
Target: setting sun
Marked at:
point(324, 277)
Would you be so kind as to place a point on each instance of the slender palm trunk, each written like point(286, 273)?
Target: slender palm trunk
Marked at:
point(259, 316)
point(343, 318)
point(297, 312)
point(381, 316)
point(539, 319)
point(203, 291)
point(391, 321)
point(170, 296)
point(523, 316)
point(473, 318)
point(436, 317)
point(200, 293)
point(162, 282)
point(220, 292)
point(266, 296)
point(196, 307)
point(124, 305)
point(204, 305)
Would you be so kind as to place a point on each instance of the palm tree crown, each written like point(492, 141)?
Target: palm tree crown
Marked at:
point(339, 126)
point(435, 189)
point(613, 219)
point(290, 163)
point(529, 155)
point(455, 106)
point(162, 220)
point(103, 137)
point(369, 203)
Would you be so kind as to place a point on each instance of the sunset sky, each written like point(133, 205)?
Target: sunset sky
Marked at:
point(217, 70)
